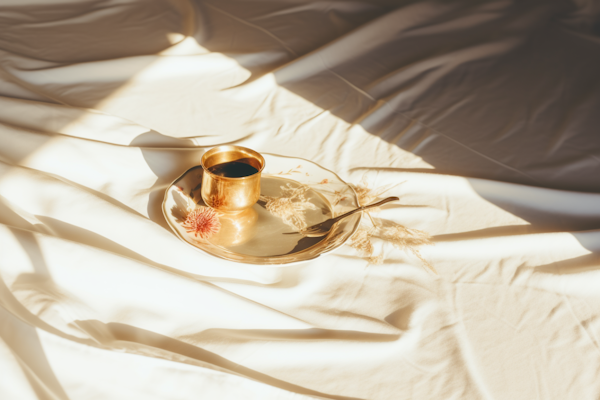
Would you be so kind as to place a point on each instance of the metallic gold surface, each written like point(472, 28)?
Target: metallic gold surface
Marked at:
point(226, 194)
point(256, 236)
point(236, 229)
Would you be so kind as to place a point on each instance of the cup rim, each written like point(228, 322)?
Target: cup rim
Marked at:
point(217, 149)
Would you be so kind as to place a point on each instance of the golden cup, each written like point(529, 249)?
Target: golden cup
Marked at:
point(231, 178)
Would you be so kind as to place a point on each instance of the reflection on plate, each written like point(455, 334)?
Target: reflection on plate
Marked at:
point(256, 236)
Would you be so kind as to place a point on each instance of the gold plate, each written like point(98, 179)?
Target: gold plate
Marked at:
point(256, 236)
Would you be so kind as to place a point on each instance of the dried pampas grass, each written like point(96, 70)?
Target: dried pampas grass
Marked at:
point(408, 239)
point(361, 241)
point(366, 195)
point(290, 207)
point(400, 236)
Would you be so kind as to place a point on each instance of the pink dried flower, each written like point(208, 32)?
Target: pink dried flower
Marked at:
point(203, 222)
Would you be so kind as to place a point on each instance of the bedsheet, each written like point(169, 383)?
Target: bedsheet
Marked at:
point(481, 116)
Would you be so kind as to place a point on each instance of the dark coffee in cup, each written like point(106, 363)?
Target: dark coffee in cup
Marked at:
point(233, 169)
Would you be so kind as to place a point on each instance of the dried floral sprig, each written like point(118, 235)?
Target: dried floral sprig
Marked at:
point(361, 241)
point(367, 195)
point(400, 236)
point(408, 239)
point(290, 207)
point(203, 222)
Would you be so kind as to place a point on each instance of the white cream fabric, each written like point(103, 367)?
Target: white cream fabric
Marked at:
point(485, 112)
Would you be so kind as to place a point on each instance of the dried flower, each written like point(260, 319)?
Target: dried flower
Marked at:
point(361, 241)
point(203, 222)
point(376, 260)
point(407, 239)
point(366, 195)
point(400, 236)
point(290, 207)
